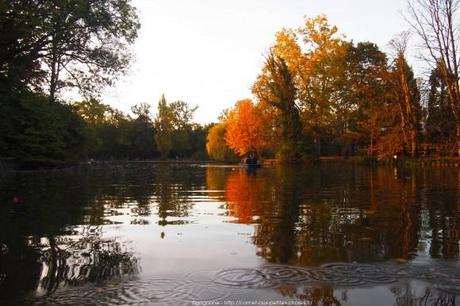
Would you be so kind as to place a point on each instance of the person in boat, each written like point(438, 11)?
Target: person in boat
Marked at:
point(251, 158)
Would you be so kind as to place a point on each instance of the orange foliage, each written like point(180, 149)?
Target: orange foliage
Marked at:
point(245, 128)
point(244, 194)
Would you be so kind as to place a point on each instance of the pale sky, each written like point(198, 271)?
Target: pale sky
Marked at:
point(209, 52)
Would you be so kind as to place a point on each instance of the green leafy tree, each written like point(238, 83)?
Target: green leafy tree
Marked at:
point(440, 121)
point(46, 46)
point(82, 44)
point(183, 128)
point(110, 135)
point(38, 133)
point(173, 128)
point(20, 46)
point(198, 141)
point(164, 127)
point(367, 68)
point(216, 146)
point(142, 133)
point(93, 111)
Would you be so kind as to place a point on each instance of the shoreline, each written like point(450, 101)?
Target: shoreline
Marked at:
point(10, 165)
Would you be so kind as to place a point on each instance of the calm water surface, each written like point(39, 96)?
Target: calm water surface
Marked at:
point(331, 234)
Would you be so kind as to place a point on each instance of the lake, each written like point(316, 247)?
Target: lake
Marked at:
point(194, 234)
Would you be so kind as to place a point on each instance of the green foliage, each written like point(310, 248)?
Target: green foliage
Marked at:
point(41, 133)
point(174, 129)
point(141, 136)
point(216, 145)
point(198, 142)
point(164, 127)
point(49, 45)
point(440, 121)
point(92, 111)
point(367, 66)
point(19, 32)
point(68, 43)
point(114, 135)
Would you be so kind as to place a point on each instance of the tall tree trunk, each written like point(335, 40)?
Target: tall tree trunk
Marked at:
point(318, 144)
point(408, 116)
point(372, 136)
point(371, 150)
point(453, 93)
point(414, 144)
point(458, 138)
point(53, 83)
point(403, 125)
point(54, 73)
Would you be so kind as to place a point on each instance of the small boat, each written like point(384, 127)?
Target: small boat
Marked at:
point(251, 161)
point(245, 164)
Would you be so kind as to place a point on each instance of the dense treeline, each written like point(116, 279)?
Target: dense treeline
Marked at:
point(317, 93)
point(320, 94)
point(38, 132)
point(114, 135)
point(49, 46)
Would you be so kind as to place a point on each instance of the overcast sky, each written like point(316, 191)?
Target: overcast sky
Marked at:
point(209, 52)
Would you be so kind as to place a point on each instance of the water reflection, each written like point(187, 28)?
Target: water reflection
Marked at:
point(402, 295)
point(311, 296)
point(308, 216)
point(222, 287)
point(91, 226)
point(407, 294)
point(172, 195)
point(68, 260)
point(245, 194)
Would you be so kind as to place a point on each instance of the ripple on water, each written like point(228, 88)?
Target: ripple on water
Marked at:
point(337, 274)
point(243, 277)
point(287, 274)
point(209, 286)
point(137, 292)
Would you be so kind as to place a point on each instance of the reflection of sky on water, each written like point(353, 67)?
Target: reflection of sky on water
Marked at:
point(139, 223)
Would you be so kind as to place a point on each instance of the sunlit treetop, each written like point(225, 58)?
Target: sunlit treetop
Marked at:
point(244, 128)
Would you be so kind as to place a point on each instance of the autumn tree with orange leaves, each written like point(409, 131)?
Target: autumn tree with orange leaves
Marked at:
point(319, 94)
point(245, 130)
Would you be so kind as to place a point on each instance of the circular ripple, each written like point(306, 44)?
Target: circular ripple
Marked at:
point(246, 278)
point(343, 279)
point(209, 286)
point(286, 274)
point(377, 274)
point(153, 291)
point(201, 276)
point(319, 275)
point(341, 274)
point(339, 265)
point(202, 293)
